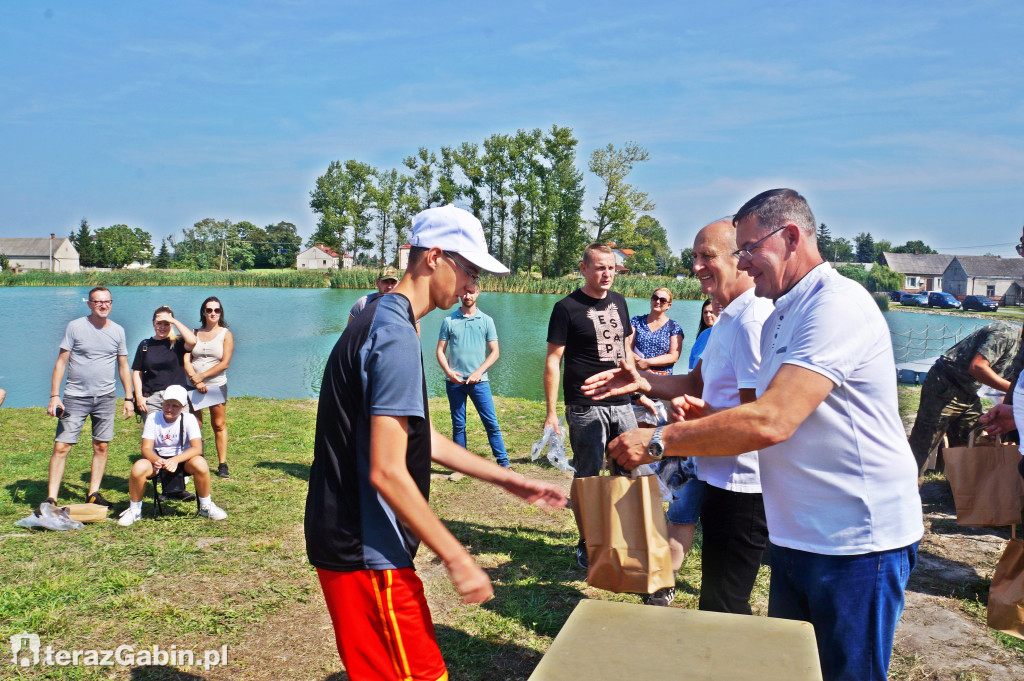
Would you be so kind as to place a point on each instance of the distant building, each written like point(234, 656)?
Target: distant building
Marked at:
point(921, 271)
point(1001, 279)
point(51, 255)
point(321, 258)
point(621, 255)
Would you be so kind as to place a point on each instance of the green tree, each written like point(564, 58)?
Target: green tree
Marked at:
point(824, 236)
point(120, 245)
point(275, 246)
point(422, 180)
point(496, 176)
point(865, 247)
point(882, 278)
point(855, 272)
point(563, 195)
point(342, 198)
point(163, 258)
point(686, 260)
point(916, 246)
point(85, 245)
point(386, 198)
point(5, 264)
point(882, 246)
point(620, 201)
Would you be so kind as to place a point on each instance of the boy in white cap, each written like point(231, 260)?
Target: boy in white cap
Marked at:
point(367, 510)
point(171, 439)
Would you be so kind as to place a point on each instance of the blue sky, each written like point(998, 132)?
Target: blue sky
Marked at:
point(902, 119)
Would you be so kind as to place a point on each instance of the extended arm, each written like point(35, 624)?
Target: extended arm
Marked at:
point(389, 440)
point(981, 370)
point(58, 375)
point(792, 396)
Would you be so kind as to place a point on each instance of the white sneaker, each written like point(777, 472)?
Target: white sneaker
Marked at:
point(128, 517)
point(213, 512)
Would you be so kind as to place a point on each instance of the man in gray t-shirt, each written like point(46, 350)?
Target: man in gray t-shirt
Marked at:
point(92, 349)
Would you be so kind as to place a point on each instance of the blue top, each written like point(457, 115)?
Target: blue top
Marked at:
point(374, 369)
point(654, 343)
point(467, 341)
point(698, 346)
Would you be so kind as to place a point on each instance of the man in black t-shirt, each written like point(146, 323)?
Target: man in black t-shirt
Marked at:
point(590, 329)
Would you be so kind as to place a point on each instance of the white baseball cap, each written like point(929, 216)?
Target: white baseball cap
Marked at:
point(176, 393)
point(455, 230)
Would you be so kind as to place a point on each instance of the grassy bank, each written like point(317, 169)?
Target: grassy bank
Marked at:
point(245, 582)
point(629, 286)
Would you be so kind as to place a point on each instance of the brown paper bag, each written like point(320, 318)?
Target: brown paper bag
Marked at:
point(623, 523)
point(1006, 595)
point(87, 513)
point(987, 488)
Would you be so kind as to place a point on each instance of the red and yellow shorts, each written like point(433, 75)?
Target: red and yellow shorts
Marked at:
point(382, 625)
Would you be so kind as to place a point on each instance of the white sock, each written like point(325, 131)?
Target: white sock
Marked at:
point(204, 502)
point(136, 507)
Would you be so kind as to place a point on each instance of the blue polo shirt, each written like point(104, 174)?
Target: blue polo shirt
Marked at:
point(467, 340)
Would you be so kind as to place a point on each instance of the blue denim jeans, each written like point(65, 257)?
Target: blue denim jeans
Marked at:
point(480, 393)
point(853, 602)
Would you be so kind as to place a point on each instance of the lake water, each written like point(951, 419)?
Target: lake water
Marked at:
point(283, 336)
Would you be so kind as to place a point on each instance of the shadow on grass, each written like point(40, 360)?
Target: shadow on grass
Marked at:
point(475, 659)
point(163, 673)
point(296, 470)
point(535, 587)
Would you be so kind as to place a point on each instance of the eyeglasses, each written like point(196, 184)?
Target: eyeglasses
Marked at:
point(748, 252)
point(212, 310)
point(659, 299)
point(101, 303)
point(474, 277)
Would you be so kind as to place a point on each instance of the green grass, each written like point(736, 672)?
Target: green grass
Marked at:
point(200, 584)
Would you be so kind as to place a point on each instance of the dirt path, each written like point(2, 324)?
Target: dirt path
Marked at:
point(938, 638)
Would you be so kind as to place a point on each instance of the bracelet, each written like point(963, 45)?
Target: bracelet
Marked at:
point(129, 399)
point(55, 395)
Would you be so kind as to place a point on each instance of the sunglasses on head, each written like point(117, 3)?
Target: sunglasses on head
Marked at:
point(212, 310)
point(663, 301)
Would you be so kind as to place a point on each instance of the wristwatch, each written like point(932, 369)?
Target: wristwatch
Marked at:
point(656, 449)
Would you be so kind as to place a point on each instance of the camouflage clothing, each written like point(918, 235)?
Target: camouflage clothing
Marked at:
point(949, 395)
point(998, 343)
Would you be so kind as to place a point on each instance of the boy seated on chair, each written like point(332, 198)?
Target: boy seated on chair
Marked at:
point(164, 439)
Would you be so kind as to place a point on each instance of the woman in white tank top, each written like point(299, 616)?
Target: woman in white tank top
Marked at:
point(206, 365)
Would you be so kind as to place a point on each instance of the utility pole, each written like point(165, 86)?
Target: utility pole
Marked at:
point(52, 235)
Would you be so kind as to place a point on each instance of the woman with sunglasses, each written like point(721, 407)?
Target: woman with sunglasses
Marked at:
point(205, 366)
point(657, 340)
point(160, 361)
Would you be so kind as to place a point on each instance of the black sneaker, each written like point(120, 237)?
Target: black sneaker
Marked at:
point(97, 498)
point(222, 471)
point(181, 495)
point(581, 555)
point(50, 500)
point(662, 597)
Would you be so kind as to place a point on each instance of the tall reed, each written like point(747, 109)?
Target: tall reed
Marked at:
point(357, 278)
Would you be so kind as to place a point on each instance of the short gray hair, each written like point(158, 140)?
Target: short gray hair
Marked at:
point(775, 206)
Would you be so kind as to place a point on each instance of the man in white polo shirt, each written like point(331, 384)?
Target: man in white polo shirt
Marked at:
point(732, 514)
point(838, 477)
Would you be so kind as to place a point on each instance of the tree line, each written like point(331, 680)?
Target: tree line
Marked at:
point(525, 188)
point(208, 244)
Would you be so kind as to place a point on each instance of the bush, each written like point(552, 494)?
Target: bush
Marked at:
point(882, 299)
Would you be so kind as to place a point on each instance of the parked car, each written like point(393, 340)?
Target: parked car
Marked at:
point(943, 300)
point(914, 299)
point(981, 303)
point(895, 296)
